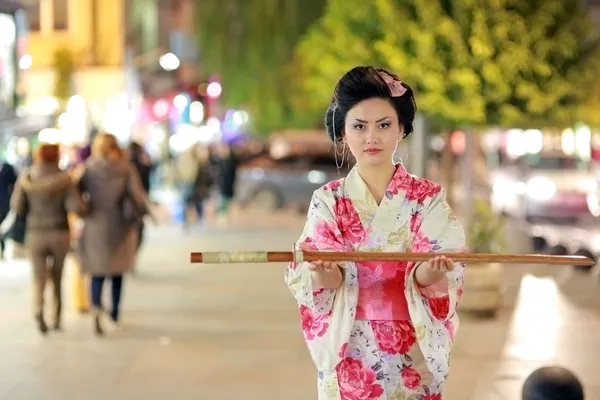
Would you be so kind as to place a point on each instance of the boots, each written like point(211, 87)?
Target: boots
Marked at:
point(43, 328)
point(98, 329)
point(57, 314)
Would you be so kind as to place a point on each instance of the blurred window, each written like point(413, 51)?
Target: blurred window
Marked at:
point(60, 13)
point(554, 163)
point(33, 15)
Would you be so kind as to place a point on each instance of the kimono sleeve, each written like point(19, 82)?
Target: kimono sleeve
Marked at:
point(320, 233)
point(439, 231)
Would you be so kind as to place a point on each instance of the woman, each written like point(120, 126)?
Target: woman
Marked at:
point(226, 165)
point(143, 166)
point(108, 244)
point(41, 195)
point(200, 189)
point(378, 330)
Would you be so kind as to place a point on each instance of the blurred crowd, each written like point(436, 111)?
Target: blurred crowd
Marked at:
point(95, 207)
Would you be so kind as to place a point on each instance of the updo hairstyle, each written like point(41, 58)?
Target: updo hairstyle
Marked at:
point(362, 83)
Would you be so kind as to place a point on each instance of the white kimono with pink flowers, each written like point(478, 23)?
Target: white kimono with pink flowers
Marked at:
point(380, 335)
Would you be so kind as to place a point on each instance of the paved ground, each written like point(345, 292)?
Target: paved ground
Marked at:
point(229, 332)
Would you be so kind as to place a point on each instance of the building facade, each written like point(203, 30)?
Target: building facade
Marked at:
point(16, 127)
point(91, 34)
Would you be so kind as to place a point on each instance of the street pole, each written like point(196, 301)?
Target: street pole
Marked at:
point(468, 172)
point(418, 147)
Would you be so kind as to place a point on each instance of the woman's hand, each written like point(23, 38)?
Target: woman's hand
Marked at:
point(322, 266)
point(325, 274)
point(434, 270)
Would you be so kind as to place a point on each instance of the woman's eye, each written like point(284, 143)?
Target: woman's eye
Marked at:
point(384, 125)
point(359, 127)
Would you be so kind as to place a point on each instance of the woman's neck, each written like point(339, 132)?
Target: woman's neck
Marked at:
point(377, 178)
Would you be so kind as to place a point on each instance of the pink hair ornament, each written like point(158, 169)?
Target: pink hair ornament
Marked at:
point(395, 86)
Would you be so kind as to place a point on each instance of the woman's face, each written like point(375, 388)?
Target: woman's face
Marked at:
point(372, 131)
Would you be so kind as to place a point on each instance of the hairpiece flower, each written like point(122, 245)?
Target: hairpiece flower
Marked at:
point(395, 86)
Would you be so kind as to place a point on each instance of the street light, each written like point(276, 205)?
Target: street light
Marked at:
point(214, 90)
point(169, 62)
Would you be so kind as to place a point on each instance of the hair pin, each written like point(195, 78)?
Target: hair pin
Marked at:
point(396, 87)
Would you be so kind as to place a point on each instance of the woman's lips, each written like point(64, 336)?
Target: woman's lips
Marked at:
point(373, 151)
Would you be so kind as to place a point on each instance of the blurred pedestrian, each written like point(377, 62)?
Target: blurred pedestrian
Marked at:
point(143, 165)
point(41, 196)
point(199, 191)
point(115, 204)
point(226, 168)
point(8, 178)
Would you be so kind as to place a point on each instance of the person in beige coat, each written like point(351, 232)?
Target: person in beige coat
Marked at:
point(41, 195)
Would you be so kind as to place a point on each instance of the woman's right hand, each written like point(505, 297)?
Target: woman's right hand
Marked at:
point(326, 274)
point(322, 266)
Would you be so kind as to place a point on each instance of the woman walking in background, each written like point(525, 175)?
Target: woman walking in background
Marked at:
point(115, 206)
point(41, 195)
point(200, 189)
point(226, 164)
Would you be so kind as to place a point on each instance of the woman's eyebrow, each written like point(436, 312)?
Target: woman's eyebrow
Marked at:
point(365, 122)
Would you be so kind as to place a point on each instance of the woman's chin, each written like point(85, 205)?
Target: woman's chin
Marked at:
point(375, 160)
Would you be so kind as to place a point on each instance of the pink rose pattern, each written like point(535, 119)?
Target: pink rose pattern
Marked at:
point(313, 324)
point(357, 381)
point(381, 356)
point(394, 337)
point(348, 221)
point(417, 189)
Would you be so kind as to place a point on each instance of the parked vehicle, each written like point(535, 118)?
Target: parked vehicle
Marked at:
point(269, 183)
point(545, 186)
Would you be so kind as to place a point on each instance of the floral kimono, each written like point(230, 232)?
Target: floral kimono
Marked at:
point(380, 335)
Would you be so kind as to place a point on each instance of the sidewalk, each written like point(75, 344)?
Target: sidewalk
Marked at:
point(232, 331)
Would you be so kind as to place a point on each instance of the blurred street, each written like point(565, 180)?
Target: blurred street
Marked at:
point(213, 332)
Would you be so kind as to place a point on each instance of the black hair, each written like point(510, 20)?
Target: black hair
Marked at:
point(362, 83)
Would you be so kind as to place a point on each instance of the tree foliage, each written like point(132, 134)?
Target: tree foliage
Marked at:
point(251, 44)
point(473, 62)
point(64, 70)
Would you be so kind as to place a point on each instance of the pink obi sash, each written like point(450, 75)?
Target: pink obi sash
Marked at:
point(381, 292)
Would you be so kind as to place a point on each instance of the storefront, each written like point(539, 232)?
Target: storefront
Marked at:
point(17, 132)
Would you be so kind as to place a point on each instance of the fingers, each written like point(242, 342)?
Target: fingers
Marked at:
point(322, 266)
point(441, 264)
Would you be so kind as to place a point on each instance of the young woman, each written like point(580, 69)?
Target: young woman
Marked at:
point(378, 330)
point(108, 244)
point(41, 196)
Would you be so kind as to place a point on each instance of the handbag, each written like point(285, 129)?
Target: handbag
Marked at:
point(14, 226)
point(80, 201)
point(132, 211)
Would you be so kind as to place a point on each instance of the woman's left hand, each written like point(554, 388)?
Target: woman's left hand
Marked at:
point(434, 270)
point(441, 264)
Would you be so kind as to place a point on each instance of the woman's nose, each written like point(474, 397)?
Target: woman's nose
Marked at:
point(371, 133)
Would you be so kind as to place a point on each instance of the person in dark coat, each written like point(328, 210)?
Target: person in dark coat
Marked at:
point(143, 165)
point(226, 164)
point(8, 178)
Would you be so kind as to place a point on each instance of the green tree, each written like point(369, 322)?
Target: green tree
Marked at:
point(471, 62)
point(474, 62)
point(251, 44)
point(64, 69)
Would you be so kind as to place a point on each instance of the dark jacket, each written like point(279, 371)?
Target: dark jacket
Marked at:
point(8, 178)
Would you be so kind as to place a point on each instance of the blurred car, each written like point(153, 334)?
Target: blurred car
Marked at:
point(544, 186)
point(270, 183)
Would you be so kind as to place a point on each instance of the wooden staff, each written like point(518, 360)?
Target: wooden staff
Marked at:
point(248, 257)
